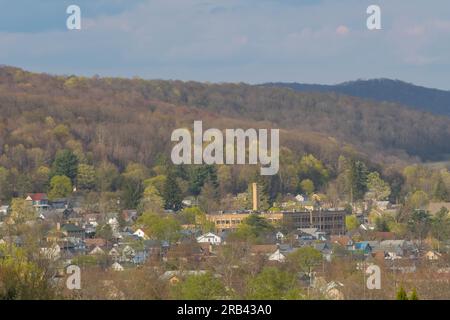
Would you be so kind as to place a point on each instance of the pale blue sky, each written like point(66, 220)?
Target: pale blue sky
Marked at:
point(311, 41)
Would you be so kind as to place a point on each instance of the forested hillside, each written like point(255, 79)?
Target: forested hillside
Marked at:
point(112, 123)
point(416, 97)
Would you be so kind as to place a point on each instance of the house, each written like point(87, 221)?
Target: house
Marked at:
point(140, 257)
point(324, 248)
point(117, 266)
point(97, 251)
point(60, 204)
point(344, 241)
point(91, 218)
point(129, 216)
point(379, 235)
point(309, 234)
point(127, 254)
point(72, 230)
point(395, 249)
point(279, 236)
point(4, 210)
point(331, 290)
point(382, 205)
point(38, 200)
point(209, 238)
point(113, 223)
point(433, 255)
point(141, 234)
point(262, 249)
point(95, 242)
point(114, 254)
point(277, 256)
point(51, 252)
point(363, 247)
point(173, 277)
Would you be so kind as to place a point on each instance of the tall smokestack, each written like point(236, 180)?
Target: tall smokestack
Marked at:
point(255, 196)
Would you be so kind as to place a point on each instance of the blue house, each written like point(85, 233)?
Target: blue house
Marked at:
point(363, 246)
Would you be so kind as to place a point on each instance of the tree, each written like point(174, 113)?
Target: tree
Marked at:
point(419, 224)
point(254, 228)
point(313, 169)
point(172, 193)
point(106, 176)
point(199, 287)
point(304, 259)
point(377, 187)
point(151, 201)
point(5, 187)
point(351, 222)
point(381, 224)
point(86, 177)
point(263, 196)
point(104, 231)
point(440, 225)
point(65, 164)
point(198, 175)
point(307, 186)
point(160, 227)
point(440, 192)
point(414, 295)
point(401, 294)
point(21, 210)
point(60, 187)
point(358, 180)
point(209, 197)
point(417, 200)
point(23, 279)
point(132, 193)
point(273, 284)
point(195, 215)
point(135, 171)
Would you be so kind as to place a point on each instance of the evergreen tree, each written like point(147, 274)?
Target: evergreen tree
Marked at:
point(132, 193)
point(440, 192)
point(65, 164)
point(358, 180)
point(199, 175)
point(401, 294)
point(414, 295)
point(172, 193)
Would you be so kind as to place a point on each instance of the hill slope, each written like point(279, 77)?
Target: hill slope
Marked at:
point(416, 97)
point(131, 120)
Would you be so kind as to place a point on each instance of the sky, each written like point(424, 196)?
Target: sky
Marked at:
point(253, 41)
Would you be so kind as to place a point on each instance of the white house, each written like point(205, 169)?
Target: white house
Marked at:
point(52, 253)
point(4, 210)
point(279, 236)
point(433, 255)
point(141, 234)
point(277, 256)
point(117, 266)
point(209, 238)
point(300, 198)
point(97, 250)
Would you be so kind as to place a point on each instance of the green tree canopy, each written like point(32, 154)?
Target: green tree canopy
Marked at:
point(86, 177)
point(199, 287)
point(273, 284)
point(160, 226)
point(65, 164)
point(304, 259)
point(171, 193)
point(60, 187)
